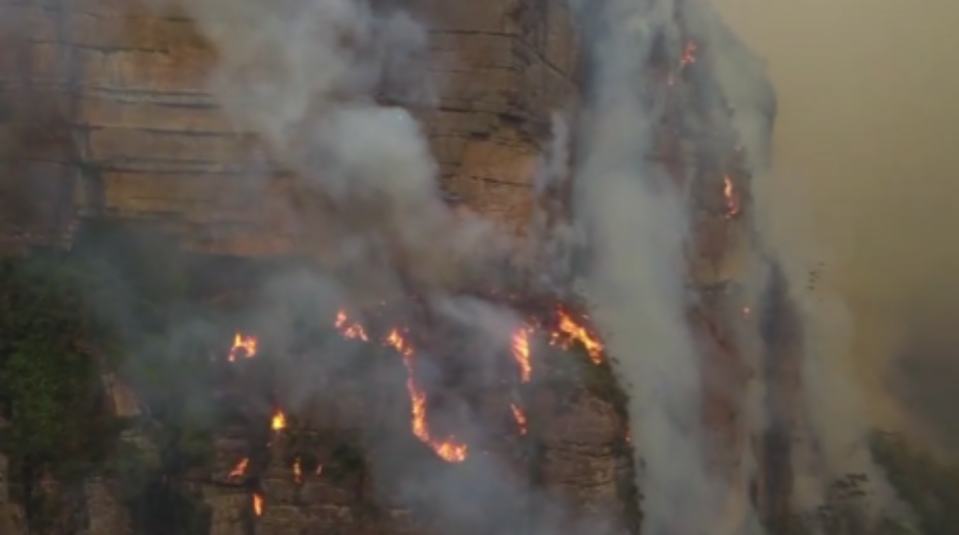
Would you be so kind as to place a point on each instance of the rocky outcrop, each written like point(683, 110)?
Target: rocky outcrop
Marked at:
point(104, 112)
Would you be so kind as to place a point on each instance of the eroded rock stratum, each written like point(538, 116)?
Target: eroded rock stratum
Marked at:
point(105, 114)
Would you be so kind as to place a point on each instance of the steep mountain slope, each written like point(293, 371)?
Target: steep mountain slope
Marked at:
point(107, 115)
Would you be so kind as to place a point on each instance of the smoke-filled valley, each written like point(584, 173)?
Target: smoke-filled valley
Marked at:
point(410, 266)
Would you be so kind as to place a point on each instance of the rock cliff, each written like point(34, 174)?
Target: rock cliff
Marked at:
point(105, 113)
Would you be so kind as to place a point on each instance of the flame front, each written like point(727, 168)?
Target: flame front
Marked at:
point(258, 505)
point(575, 332)
point(449, 450)
point(521, 353)
point(729, 194)
point(520, 418)
point(279, 421)
point(243, 346)
point(348, 328)
point(240, 469)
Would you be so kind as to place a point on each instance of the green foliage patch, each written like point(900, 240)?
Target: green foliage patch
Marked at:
point(48, 370)
point(119, 300)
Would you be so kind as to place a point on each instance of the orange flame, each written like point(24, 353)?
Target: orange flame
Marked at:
point(243, 346)
point(349, 328)
point(520, 418)
point(279, 421)
point(729, 193)
point(578, 333)
point(449, 450)
point(297, 471)
point(240, 469)
point(258, 505)
point(521, 353)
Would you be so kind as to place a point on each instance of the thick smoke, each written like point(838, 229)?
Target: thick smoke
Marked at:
point(553, 233)
point(309, 78)
point(636, 219)
point(864, 167)
point(809, 218)
point(322, 83)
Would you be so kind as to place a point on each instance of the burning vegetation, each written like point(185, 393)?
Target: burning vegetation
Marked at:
point(58, 430)
point(560, 327)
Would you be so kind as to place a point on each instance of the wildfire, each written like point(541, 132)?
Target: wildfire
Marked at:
point(521, 353)
point(449, 450)
point(729, 193)
point(279, 421)
point(243, 346)
point(568, 332)
point(349, 328)
point(240, 469)
point(520, 418)
point(575, 332)
point(258, 505)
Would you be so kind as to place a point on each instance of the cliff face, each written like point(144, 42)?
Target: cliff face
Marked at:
point(104, 112)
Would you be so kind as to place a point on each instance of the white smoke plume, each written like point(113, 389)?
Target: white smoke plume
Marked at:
point(552, 230)
point(306, 76)
point(637, 220)
point(321, 82)
point(836, 424)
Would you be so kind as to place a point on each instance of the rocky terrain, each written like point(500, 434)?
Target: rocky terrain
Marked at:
point(106, 119)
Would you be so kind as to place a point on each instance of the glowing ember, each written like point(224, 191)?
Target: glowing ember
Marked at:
point(243, 346)
point(348, 328)
point(520, 418)
point(729, 193)
point(521, 353)
point(449, 450)
point(576, 333)
point(689, 54)
point(279, 421)
point(240, 469)
point(688, 57)
point(297, 471)
point(258, 505)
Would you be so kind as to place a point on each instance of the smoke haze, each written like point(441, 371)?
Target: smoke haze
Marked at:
point(861, 181)
point(638, 221)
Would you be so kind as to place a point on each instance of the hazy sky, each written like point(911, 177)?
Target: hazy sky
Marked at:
point(868, 133)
